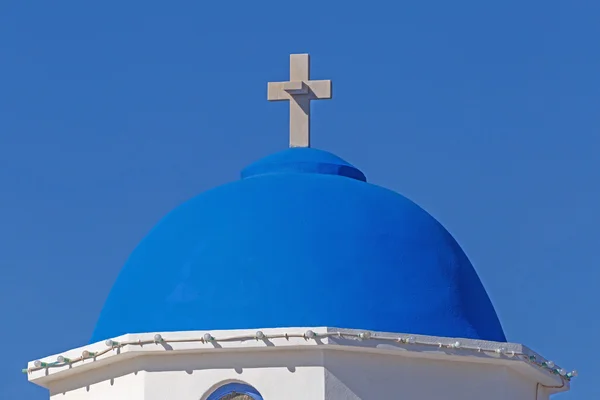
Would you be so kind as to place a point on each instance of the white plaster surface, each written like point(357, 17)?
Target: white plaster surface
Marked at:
point(355, 376)
point(293, 368)
point(115, 382)
point(277, 375)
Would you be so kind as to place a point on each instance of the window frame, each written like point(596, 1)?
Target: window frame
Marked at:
point(236, 387)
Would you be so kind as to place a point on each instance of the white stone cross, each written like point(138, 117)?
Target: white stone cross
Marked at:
point(300, 90)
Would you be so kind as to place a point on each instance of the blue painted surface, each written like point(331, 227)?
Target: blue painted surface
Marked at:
point(303, 160)
point(235, 388)
point(302, 240)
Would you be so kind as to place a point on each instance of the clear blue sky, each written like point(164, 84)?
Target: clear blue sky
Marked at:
point(487, 114)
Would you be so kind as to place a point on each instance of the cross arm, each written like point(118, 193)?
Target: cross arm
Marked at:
point(277, 91)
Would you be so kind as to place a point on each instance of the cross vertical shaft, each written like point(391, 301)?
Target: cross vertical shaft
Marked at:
point(299, 91)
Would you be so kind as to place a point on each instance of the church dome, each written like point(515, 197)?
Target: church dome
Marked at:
point(302, 240)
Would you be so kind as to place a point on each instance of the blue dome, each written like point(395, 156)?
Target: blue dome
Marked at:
point(301, 240)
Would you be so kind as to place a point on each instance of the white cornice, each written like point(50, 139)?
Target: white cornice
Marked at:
point(515, 356)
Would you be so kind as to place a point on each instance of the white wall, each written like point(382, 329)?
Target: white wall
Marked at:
point(285, 375)
point(122, 381)
point(289, 375)
point(309, 374)
point(364, 376)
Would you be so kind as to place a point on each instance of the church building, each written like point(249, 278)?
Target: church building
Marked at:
point(299, 281)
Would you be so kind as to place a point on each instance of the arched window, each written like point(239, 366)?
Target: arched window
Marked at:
point(235, 391)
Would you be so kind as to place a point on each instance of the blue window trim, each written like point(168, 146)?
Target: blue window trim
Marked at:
point(235, 387)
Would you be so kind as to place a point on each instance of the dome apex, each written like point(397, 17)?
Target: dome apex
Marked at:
point(304, 160)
